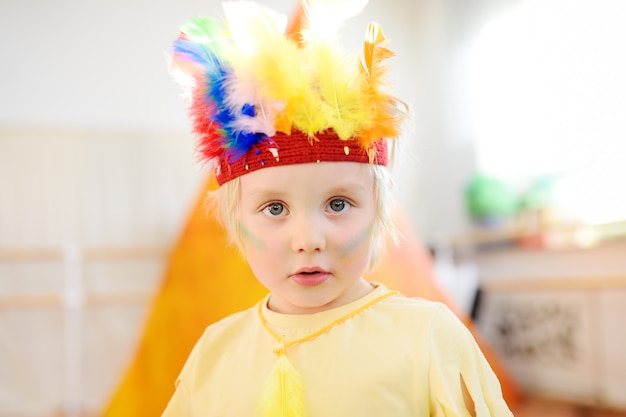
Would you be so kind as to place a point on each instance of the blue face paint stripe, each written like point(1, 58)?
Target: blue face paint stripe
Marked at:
point(347, 249)
point(256, 241)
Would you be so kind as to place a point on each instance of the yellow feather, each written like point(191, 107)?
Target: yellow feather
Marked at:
point(339, 85)
point(277, 63)
point(338, 99)
point(283, 394)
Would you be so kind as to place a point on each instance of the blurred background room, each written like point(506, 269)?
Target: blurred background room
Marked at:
point(511, 172)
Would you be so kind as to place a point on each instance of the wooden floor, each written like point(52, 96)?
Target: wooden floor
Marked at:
point(541, 407)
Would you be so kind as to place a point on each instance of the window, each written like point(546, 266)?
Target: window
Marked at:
point(548, 92)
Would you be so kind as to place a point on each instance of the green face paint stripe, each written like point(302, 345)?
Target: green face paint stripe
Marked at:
point(348, 248)
point(250, 237)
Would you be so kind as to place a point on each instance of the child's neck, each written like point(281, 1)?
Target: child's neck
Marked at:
point(360, 289)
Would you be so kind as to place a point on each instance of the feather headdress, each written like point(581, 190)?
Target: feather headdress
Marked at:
point(258, 98)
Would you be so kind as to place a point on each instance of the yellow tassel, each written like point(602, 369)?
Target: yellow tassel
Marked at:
point(283, 394)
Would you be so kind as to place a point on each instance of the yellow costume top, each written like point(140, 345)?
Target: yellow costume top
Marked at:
point(398, 357)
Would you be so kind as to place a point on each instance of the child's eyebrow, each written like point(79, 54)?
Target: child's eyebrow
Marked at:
point(265, 194)
point(349, 187)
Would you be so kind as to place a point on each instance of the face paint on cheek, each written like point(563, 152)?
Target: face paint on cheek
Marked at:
point(346, 249)
point(250, 237)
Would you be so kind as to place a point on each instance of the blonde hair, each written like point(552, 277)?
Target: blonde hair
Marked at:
point(225, 203)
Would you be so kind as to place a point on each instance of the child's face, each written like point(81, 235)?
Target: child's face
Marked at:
point(306, 231)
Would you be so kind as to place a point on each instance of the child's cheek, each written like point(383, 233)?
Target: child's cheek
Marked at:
point(252, 239)
point(356, 241)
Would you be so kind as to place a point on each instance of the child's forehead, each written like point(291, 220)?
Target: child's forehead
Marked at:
point(310, 177)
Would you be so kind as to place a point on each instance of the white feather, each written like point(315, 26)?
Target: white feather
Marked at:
point(324, 18)
point(251, 23)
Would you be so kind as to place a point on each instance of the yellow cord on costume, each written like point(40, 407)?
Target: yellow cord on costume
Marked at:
point(287, 345)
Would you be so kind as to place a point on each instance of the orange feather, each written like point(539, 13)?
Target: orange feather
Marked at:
point(386, 115)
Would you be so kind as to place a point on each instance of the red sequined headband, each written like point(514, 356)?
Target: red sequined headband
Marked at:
point(297, 148)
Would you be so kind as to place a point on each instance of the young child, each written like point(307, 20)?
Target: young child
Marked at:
point(297, 134)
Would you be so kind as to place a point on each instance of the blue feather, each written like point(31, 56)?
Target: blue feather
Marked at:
point(237, 143)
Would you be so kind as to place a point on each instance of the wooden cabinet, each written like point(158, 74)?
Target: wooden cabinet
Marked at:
point(558, 319)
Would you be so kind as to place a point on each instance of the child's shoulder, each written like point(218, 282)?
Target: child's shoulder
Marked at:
point(415, 304)
point(420, 319)
point(416, 308)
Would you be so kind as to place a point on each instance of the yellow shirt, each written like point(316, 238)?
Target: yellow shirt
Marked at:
point(398, 357)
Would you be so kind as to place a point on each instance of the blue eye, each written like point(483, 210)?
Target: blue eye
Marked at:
point(338, 205)
point(274, 210)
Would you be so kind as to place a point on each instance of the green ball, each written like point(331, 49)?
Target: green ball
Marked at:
point(490, 198)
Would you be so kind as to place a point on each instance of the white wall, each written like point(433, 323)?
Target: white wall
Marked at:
point(76, 208)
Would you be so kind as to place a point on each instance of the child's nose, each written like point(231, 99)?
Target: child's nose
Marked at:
point(308, 235)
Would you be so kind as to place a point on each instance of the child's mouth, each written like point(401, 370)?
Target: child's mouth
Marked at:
point(310, 277)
